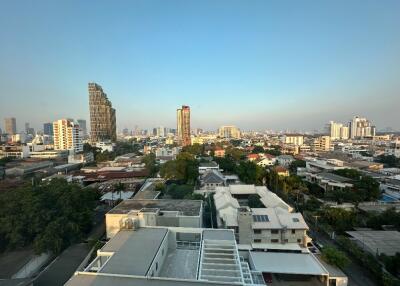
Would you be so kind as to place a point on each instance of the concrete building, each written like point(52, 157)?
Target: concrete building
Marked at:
point(329, 181)
point(168, 257)
point(177, 213)
point(49, 154)
point(67, 136)
point(206, 166)
point(322, 144)
point(393, 149)
point(183, 125)
point(285, 160)
point(338, 131)
point(294, 139)
point(102, 116)
point(10, 125)
point(229, 132)
point(14, 151)
point(18, 138)
point(257, 226)
point(361, 127)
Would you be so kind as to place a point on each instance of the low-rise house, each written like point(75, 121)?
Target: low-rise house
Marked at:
point(206, 166)
point(329, 181)
point(281, 171)
point(212, 179)
point(177, 213)
point(219, 152)
point(268, 160)
point(285, 160)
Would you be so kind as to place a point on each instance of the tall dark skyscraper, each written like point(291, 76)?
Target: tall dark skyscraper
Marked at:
point(183, 125)
point(48, 129)
point(102, 116)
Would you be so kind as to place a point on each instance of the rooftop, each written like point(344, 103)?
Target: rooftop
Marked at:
point(378, 241)
point(334, 177)
point(186, 207)
point(287, 263)
point(133, 251)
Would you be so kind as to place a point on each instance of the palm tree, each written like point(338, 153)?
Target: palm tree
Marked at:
point(119, 188)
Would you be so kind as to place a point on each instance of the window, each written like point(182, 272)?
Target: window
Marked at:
point(286, 241)
point(274, 231)
point(274, 240)
point(257, 241)
point(156, 266)
point(299, 240)
point(260, 218)
point(293, 231)
point(257, 231)
point(295, 219)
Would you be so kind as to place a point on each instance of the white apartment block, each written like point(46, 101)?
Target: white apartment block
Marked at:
point(67, 136)
point(229, 132)
point(297, 140)
point(338, 131)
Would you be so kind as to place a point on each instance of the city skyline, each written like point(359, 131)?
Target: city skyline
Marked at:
point(260, 66)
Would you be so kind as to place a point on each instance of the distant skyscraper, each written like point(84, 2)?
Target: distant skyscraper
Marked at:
point(48, 129)
point(102, 115)
point(67, 136)
point(10, 125)
point(183, 125)
point(82, 126)
point(28, 129)
point(361, 127)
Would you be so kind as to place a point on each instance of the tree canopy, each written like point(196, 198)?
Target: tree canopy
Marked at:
point(183, 168)
point(50, 215)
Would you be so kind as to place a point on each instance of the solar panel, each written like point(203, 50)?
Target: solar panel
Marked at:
point(260, 218)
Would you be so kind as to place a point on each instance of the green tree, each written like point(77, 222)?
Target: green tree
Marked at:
point(257, 150)
point(296, 164)
point(195, 149)
point(250, 173)
point(335, 257)
point(151, 165)
point(51, 215)
point(184, 168)
point(178, 192)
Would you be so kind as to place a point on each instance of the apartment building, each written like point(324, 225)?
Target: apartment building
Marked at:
point(67, 136)
point(322, 144)
point(257, 226)
point(10, 125)
point(229, 132)
point(294, 139)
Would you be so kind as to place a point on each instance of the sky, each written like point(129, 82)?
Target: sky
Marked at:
point(281, 65)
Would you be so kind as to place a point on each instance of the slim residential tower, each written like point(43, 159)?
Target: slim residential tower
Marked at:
point(102, 116)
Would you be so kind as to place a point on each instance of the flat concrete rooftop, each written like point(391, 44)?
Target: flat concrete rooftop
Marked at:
point(134, 251)
point(186, 207)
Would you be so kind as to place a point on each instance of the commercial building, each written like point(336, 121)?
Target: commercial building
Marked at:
point(67, 136)
point(177, 213)
point(49, 154)
point(183, 125)
point(102, 116)
point(361, 127)
point(229, 132)
point(10, 125)
point(48, 129)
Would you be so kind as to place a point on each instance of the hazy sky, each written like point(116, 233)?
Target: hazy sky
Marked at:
point(256, 64)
